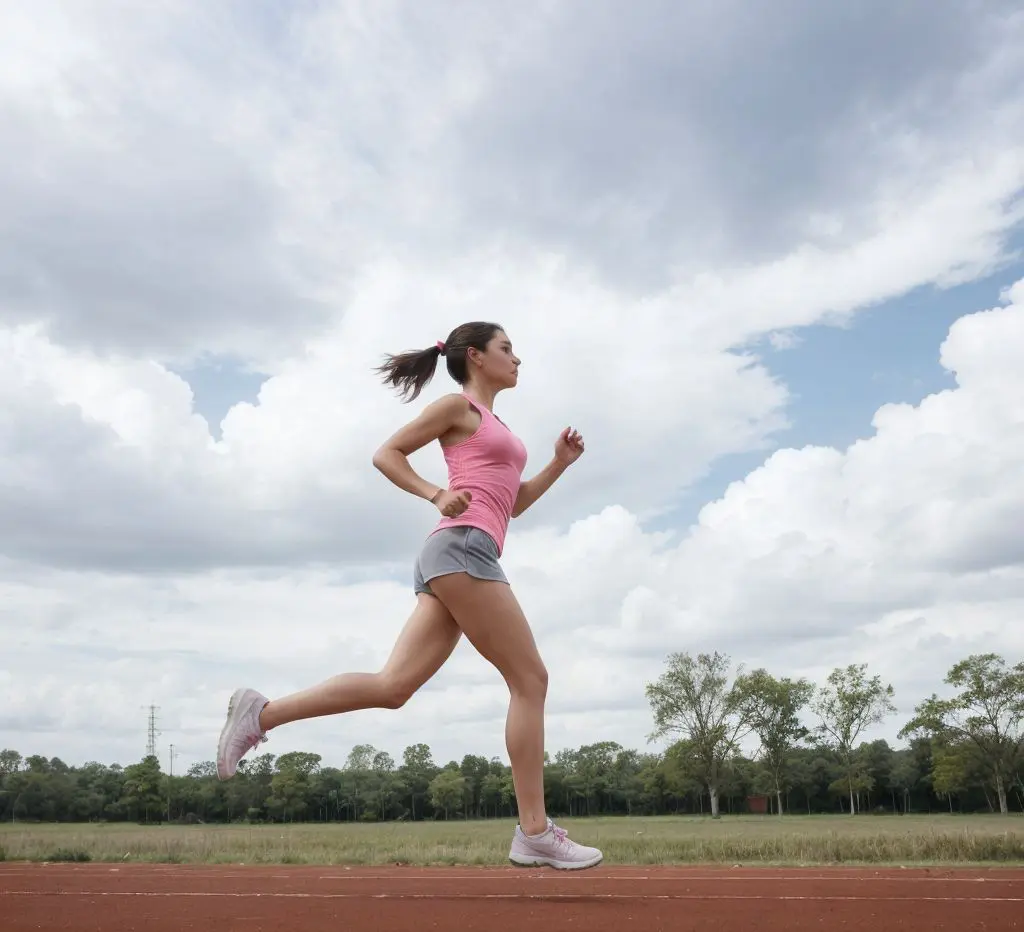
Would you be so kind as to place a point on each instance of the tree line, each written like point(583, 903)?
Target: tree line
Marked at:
point(964, 753)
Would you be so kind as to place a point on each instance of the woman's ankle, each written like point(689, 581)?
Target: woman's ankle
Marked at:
point(533, 827)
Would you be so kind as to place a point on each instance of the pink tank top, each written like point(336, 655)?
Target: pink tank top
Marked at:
point(489, 464)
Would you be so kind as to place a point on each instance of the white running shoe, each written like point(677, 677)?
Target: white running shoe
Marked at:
point(241, 731)
point(551, 848)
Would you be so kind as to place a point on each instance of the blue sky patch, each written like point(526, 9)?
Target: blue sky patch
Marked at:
point(839, 376)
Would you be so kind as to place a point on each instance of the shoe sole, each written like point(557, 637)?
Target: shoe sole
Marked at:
point(528, 861)
point(229, 724)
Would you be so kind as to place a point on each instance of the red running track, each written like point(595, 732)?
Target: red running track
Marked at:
point(162, 898)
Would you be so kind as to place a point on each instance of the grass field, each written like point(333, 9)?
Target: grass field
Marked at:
point(745, 840)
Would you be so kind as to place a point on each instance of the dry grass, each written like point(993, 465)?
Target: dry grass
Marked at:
point(747, 840)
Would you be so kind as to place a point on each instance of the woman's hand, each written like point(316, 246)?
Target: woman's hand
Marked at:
point(569, 446)
point(452, 504)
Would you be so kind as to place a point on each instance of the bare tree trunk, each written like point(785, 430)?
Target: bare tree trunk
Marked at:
point(1001, 790)
point(988, 799)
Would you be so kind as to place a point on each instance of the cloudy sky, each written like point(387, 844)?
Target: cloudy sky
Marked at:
point(767, 258)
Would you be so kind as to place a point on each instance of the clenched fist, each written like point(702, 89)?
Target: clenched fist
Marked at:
point(452, 504)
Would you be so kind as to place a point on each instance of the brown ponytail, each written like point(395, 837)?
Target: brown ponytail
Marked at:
point(409, 372)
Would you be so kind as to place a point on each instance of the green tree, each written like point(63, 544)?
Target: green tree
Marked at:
point(290, 786)
point(846, 706)
point(490, 793)
point(987, 711)
point(693, 698)
point(508, 792)
point(682, 772)
point(874, 760)
point(359, 777)
point(389, 785)
point(595, 766)
point(91, 792)
point(141, 792)
point(808, 771)
point(903, 776)
point(417, 771)
point(447, 791)
point(954, 769)
point(36, 763)
point(474, 768)
point(10, 761)
point(771, 707)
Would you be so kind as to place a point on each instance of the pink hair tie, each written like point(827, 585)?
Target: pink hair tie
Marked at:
point(440, 346)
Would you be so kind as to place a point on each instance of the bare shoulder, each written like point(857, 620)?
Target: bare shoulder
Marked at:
point(435, 421)
point(459, 417)
point(453, 404)
point(447, 412)
point(443, 412)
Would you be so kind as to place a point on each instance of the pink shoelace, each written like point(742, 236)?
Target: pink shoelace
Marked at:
point(247, 742)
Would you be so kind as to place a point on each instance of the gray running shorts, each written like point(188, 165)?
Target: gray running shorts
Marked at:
point(457, 550)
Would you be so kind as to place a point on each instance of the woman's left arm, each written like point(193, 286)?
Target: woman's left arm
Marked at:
point(568, 449)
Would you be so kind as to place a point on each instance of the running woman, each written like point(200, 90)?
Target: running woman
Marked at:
point(459, 584)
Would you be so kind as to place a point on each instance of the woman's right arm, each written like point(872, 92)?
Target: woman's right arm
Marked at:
point(392, 457)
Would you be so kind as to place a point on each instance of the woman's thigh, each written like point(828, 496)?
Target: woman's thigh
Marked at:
point(490, 616)
point(424, 644)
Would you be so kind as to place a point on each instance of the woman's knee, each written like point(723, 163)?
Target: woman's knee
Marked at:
point(394, 692)
point(530, 683)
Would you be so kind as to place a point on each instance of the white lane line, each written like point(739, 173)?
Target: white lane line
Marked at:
point(522, 874)
point(823, 898)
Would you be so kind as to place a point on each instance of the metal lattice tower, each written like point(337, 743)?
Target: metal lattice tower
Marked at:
point(152, 732)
